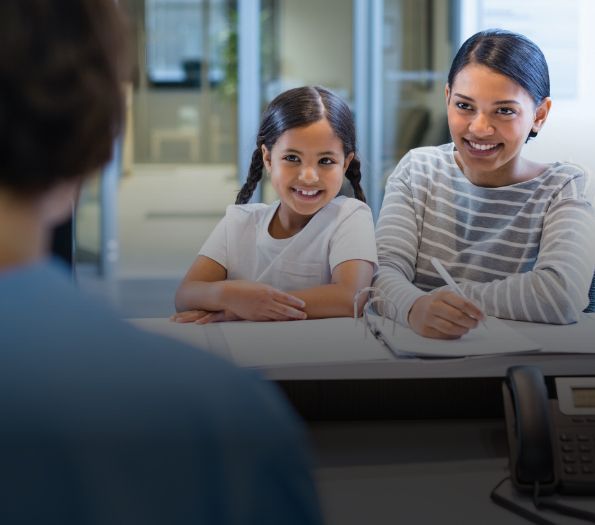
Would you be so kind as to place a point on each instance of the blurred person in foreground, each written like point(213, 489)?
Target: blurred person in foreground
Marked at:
point(101, 423)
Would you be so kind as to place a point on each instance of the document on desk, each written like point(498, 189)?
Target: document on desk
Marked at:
point(492, 339)
point(316, 341)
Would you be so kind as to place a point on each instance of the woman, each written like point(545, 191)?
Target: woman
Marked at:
point(516, 235)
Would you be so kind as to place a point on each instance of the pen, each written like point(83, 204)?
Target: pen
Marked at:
point(449, 280)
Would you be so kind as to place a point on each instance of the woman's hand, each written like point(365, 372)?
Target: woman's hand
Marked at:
point(260, 302)
point(443, 315)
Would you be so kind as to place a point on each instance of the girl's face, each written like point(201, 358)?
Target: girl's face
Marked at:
point(306, 166)
point(490, 117)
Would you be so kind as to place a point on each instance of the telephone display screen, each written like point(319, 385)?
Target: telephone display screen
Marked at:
point(583, 397)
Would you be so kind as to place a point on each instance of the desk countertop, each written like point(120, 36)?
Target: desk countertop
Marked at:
point(385, 365)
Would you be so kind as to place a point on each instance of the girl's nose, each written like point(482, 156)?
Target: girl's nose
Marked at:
point(480, 126)
point(309, 175)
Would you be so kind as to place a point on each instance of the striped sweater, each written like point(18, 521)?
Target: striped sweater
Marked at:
point(524, 251)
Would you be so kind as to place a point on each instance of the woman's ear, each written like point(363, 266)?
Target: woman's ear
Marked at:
point(266, 158)
point(348, 160)
point(447, 93)
point(541, 113)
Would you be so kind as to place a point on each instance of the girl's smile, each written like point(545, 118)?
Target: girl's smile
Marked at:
point(490, 117)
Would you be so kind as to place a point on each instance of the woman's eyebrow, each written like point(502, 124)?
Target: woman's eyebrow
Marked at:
point(498, 102)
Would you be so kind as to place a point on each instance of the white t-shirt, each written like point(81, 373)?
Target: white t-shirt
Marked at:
point(341, 231)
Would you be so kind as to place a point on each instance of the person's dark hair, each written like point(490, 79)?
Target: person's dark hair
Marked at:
point(296, 108)
point(510, 54)
point(62, 64)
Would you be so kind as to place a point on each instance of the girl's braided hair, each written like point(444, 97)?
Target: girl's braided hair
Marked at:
point(296, 108)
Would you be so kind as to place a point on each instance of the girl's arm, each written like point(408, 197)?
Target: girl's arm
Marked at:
point(205, 288)
point(336, 299)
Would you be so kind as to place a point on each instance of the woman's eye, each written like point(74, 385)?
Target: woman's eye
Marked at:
point(326, 160)
point(463, 105)
point(291, 158)
point(506, 111)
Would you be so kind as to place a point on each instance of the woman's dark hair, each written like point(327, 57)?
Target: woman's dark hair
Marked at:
point(296, 108)
point(510, 54)
point(61, 71)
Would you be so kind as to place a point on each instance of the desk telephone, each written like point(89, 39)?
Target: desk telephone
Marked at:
point(551, 434)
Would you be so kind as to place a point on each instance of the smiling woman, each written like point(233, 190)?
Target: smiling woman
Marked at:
point(515, 235)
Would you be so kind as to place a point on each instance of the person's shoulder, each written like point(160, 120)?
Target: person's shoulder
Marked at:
point(254, 210)
point(433, 155)
point(102, 359)
point(342, 207)
point(569, 179)
point(419, 162)
point(247, 209)
point(567, 170)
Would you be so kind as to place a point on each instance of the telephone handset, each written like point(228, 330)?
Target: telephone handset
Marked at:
point(551, 439)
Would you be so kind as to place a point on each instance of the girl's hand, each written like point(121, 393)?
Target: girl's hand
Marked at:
point(261, 302)
point(189, 316)
point(218, 317)
point(443, 315)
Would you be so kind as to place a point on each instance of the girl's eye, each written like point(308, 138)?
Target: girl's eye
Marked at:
point(463, 105)
point(326, 161)
point(291, 158)
point(506, 111)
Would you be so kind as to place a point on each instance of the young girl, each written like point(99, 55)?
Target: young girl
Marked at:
point(305, 255)
point(516, 235)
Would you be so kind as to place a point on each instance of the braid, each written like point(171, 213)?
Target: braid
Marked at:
point(254, 175)
point(354, 175)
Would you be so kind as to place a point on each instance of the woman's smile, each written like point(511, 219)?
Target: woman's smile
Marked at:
point(482, 149)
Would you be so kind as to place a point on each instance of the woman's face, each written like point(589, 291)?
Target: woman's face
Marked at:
point(490, 117)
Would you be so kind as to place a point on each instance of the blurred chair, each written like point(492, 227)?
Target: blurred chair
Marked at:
point(186, 132)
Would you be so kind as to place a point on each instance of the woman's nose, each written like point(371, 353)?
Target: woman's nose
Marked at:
point(309, 175)
point(481, 126)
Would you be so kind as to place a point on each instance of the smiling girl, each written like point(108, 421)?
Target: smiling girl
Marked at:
point(516, 235)
point(305, 255)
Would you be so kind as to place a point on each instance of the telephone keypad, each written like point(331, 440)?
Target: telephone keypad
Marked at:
point(576, 450)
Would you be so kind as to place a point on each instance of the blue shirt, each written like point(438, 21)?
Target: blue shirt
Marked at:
point(102, 423)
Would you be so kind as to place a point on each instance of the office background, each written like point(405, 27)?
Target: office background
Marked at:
point(204, 70)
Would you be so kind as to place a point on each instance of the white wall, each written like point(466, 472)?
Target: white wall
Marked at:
point(315, 39)
point(567, 136)
point(569, 132)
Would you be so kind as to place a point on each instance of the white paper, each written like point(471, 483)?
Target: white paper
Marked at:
point(495, 338)
point(317, 341)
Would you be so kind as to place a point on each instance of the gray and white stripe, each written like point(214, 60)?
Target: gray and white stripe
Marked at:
point(525, 251)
